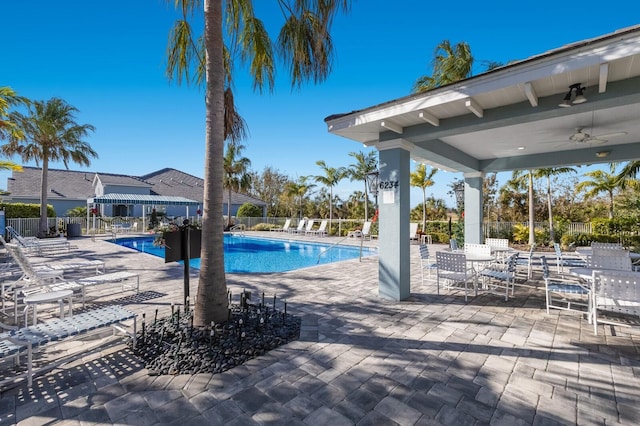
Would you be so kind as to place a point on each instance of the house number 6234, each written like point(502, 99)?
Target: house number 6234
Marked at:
point(388, 184)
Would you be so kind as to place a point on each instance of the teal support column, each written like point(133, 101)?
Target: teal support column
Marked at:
point(473, 208)
point(393, 202)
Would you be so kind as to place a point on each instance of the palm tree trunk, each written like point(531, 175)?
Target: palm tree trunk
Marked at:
point(552, 233)
point(229, 209)
point(211, 301)
point(330, 205)
point(532, 215)
point(424, 209)
point(43, 227)
point(366, 202)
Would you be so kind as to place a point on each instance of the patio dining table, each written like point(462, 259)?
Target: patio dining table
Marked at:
point(587, 251)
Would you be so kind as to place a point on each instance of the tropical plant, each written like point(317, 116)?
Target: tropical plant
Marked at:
point(365, 164)
point(422, 179)
point(299, 190)
point(304, 43)
point(601, 182)
point(236, 173)
point(547, 173)
point(521, 176)
point(249, 210)
point(331, 177)
point(450, 64)
point(50, 134)
point(9, 99)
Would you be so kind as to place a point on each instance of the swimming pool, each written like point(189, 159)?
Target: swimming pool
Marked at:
point(244, 254)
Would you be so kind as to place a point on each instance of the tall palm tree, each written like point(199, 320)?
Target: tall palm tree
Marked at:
point(50, 134)
point(547, 173)
point(450, 64)
point(601, 182)
point(299, 190)
point(236, 173)
point(331, 177)
point(365, 164)
point(8, 100)
point(423, 180)
point(304, 43)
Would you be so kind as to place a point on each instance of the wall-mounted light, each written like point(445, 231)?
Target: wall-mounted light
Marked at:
point(579, 98)
point(603, 154)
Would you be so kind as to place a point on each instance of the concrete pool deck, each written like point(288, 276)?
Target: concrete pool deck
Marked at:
point(359, 360)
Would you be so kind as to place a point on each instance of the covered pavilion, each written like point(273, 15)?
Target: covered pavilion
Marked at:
point(141, 199)
point(575, 105)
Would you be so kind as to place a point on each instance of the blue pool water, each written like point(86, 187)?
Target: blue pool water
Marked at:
point(244, 254)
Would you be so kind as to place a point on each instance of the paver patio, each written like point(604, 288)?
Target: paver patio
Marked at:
point(360, 359)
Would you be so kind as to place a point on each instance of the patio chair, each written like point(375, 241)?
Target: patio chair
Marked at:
point(39, 245)
point(528, 260)
point(453, 244)
point(501, 277)
point(300, 227)
point(364, 233)
point(426, 261)
point(564, 259)
point(564, 293)
point(612, 259)
point(309, 226)
point(284, 228)
point(618, 292)
point(321, 231)
point(413, 231)
point(452, 269)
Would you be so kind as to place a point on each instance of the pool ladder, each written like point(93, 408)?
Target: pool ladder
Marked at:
point(335, 244)
point(240, 228)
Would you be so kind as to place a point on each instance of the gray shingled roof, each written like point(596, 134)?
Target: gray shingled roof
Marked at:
point(74, 185)
point(174, 182)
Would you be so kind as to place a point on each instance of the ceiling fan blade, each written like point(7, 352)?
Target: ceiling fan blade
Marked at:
point(610, 135)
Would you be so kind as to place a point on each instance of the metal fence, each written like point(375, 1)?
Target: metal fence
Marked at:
point(29, 226)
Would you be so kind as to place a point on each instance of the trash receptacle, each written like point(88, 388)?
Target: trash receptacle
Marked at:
point(74, 230)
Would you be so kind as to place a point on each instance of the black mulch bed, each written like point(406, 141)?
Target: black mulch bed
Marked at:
point(173, 346)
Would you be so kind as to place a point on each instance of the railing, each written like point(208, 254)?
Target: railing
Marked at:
point(29, 226)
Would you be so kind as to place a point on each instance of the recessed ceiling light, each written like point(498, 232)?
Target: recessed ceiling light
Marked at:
point(521, 148)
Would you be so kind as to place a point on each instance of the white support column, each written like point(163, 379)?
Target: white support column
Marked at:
point(393, 200)
point(473, 207)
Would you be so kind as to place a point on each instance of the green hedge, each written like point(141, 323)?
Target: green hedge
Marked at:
point(21, 210)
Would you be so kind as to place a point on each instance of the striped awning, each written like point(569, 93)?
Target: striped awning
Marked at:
point(142, 199)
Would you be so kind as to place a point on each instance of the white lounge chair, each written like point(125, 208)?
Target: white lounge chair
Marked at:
point(365, 232)
point(321, 231)
point(413, 231)
point(300, 227)
point(39, 245)
point(284, 228)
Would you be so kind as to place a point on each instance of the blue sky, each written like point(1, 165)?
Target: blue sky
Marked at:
point(107, 59)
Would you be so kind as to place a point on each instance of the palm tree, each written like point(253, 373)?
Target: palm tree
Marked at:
point(365, 164)
point(528, 176)
point(547, 173)
point(299, 190)
point(630, 170)
point(9, 99)
point(600, 182)
point(421, 179)
point(332, 176)
point(236, 173)
point(304, 42)
point(450, 64)
point(50, 134)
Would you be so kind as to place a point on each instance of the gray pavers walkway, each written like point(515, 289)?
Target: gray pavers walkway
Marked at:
point(360, 360)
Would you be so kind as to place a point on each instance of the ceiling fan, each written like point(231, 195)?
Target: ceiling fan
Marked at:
point(580, 136)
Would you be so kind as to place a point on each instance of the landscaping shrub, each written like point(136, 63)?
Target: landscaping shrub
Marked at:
point(264, 227)
point(249, 210)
